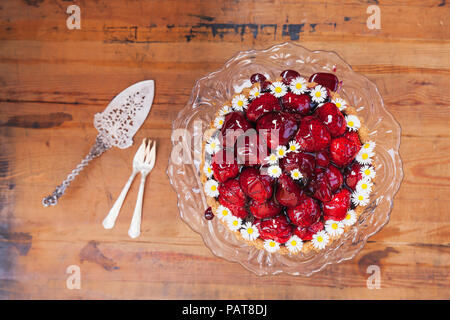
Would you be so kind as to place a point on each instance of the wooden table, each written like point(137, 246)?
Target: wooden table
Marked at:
point(53, 80)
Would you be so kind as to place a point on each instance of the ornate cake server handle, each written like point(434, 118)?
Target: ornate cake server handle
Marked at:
point(97, 149)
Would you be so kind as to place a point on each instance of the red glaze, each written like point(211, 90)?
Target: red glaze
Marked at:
point(332, 118)
point(306, 233)
point(288, 76)
point(237, 210)
point(312, 135)
point(302, 161)
point(251, 148)
point(335, 178)
point(284, 122)
point(234, 121)
point(289, 193)
point(343, 151)
point(328, 80)
point(322, 158)
point(277, 229)
point(300, 104)
point(232, 192)
point(264, 210)
point(353, 175)
point(257, 77)
point(262, 105)
point(337, 208)
point(353, 136)
point(306, 213)
point(256, 186)
point(209, 215)
point(224, 166)
point(319, 187)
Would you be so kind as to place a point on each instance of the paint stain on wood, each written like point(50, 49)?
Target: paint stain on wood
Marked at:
point(92, 253)
point(374, 258)
point(38, 121)
point(34, 3)
point(21, 241)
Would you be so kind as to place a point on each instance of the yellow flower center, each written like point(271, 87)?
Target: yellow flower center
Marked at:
point(235, 223)
point(367, 172)
point(209, 170)
point(224, 212)
point(319, 238)
point(240, 103)
point(360, 198)
point(366, 146)
point(220, 121)
point(298, 86)
point(334, 226)
point(296, 174)
point(273, 157)
point(293, 243)
point(213, 145)
point(278, 89)
point(249, 230)
point(350, 123)
point(365, 156)
point(318, 94)
point(364, 186)
point(213, 188)
point(338, 104)
point(281, 152)
point(292, 148)
point(272, 244)
point(347, 217)
point(256, 93)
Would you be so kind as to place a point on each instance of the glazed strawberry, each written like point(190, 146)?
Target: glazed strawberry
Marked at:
point(289, 193)
point(257, 77)
point(234, 122)
point(251, 148)
point(328, 80)
point(262, 105)
point(224, 165)
point(288, 75)
point(237, 210)
point(322, 158)
point(277, 127)
point(332, 118)
point(255, 185)
point(277, 229)
point(319, 187)
point(305, 214)
point(231, 192)
point(343, 151)
point(300, 104)
point(306, 233)
point(302, 161)
point(264, 210)
point(334, 176)
point(353, 136)
point(353, 175)
point(265, 86)
point(337, 208)
point(312, 135)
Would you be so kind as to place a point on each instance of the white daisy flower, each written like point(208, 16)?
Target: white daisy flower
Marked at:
point(340, 103)
point(334, 228)
point(271, 246)
point(320, 240)
point(239, 102)
point(368, 172)
point(281, 151)
point(296, 174)
point(353, 123)
point(364, 157)
point(350, 218)
point(294, 244)
point(274, 171)
point(254, 93)
point(225, 110)
point(294, 146)
point(298, 85)
point(249, 232)
point(207, 169)
point(212, 188)
point(234, 223)
point(360, 198)
point(212, 146)
point(369, 146)
point(318, 94)
point(364, 185)
point(278, 89)
point(219, 121)
point(223, 213)
point(272, 159)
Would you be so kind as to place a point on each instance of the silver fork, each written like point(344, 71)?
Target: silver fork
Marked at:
point(110, 220)
point(145, 165)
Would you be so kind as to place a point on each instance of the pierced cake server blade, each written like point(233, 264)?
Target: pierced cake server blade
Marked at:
point(116, 125)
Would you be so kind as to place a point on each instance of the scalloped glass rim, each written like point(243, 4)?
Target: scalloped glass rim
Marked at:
point(218, 87)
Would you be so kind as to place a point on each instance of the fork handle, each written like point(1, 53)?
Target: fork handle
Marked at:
point(110, 220)
point(135, 226)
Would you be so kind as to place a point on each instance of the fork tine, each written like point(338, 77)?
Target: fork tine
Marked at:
point(153, 155)
point(140, 151)
point(147, 150)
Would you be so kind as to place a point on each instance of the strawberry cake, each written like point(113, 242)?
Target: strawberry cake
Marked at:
point(287, 165)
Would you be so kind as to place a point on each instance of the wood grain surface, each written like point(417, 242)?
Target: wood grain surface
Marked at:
point(53, 80)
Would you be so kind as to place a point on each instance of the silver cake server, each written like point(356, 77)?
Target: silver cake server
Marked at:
point(116, 125)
